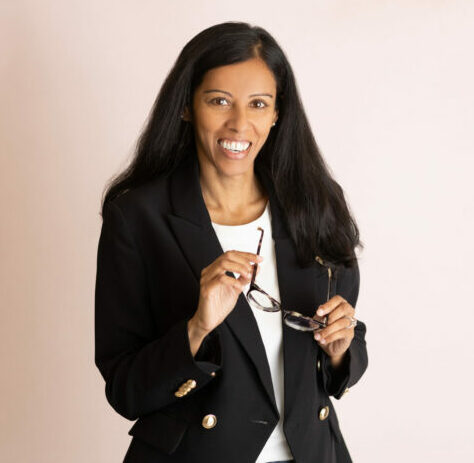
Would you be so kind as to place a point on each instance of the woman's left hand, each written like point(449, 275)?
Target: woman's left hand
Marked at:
point(336, 337)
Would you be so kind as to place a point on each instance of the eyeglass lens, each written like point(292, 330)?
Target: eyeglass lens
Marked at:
point(258, 299)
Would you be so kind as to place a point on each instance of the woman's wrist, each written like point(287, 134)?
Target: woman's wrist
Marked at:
point(336, 360)
point(196, 335)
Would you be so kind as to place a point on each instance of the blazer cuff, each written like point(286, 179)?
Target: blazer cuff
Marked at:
point(210, 349)
point(352, 367)
point(208, 358)
point(336, 380)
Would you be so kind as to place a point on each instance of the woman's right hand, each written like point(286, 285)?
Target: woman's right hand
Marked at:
point(218, 291)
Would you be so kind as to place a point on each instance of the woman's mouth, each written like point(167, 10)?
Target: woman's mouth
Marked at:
point(234, 149)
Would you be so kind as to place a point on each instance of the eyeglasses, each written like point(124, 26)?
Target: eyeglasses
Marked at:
point(259, 299)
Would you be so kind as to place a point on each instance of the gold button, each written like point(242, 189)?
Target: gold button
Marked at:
point(319, 364)
point(179, 393)
point(213, 373)
point(209, 421)
point(324, 413)
point(191, 383)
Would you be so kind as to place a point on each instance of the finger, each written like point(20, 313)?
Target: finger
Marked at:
point(320, 319)
point(245, 256)
point(230, 264)
point(343, 309)
point(231, 282)
point(339, 334)
point(338, 325)
point(248, 259)
point(226, 280)
point(330, 305)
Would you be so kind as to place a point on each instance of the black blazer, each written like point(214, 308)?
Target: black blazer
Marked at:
point(154, 242)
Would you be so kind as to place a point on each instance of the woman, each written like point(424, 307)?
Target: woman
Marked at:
point(228, 184)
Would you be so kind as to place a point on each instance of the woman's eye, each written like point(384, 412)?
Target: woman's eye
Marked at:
point(263, 104)
point(217, 99)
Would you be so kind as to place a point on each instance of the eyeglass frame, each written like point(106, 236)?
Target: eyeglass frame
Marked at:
point(254, 287)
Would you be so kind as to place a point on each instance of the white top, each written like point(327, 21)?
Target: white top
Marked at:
point(245, 238)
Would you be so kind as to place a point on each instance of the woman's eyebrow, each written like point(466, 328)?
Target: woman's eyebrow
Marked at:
point(230, 94)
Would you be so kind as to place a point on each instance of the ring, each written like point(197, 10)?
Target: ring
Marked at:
point(353, 321)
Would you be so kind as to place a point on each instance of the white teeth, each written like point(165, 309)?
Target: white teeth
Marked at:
point(234, 145)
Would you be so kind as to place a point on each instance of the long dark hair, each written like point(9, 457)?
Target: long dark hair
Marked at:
point(313, 203)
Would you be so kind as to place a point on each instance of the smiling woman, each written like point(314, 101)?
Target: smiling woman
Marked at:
point(235, 104)
point(233, 110)
point(227, 153)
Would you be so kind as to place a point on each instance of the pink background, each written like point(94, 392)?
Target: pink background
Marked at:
point(388, 90)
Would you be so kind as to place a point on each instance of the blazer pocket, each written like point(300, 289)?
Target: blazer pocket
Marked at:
point(162, 431)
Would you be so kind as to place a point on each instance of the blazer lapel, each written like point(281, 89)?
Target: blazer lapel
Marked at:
point(191, 224)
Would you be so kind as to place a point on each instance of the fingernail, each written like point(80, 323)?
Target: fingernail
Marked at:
point(320, 311)
point(260, 258)
point(323, 341)
point(317, 336)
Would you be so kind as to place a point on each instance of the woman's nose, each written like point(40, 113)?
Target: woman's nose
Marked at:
point(238, 120)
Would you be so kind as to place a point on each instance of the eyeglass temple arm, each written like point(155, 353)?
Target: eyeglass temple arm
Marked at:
point(254, 272)
point(331, 278)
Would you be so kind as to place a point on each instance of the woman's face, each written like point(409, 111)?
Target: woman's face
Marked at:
point(234, 103)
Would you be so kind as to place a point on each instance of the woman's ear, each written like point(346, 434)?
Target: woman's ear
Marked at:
point(185, 114)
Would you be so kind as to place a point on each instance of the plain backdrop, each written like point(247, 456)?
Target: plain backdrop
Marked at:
point(387, 86)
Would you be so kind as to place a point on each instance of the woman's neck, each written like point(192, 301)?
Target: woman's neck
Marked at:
point(233, 200)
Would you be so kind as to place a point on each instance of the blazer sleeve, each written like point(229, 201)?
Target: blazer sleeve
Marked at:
point(355, 361)
point(141, 371)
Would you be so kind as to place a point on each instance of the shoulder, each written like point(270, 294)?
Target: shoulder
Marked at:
point(150, 198)
point(139, 212)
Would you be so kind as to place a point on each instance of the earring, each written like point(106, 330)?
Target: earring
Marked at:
point(273, 124)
